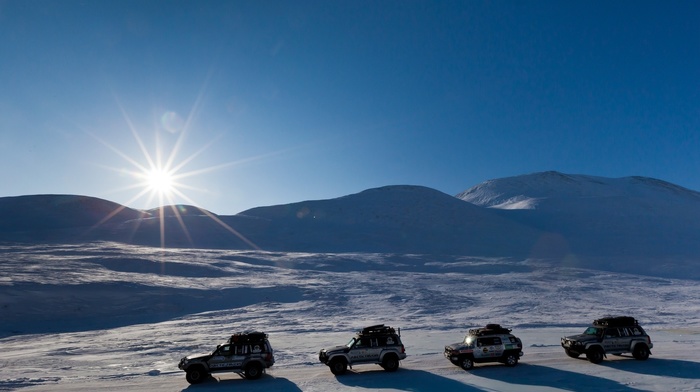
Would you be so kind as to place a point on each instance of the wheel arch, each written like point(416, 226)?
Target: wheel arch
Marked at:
point(595, 346)
point(637, 343)
point(340, 357)
point(250, 361)
point(387, 353)
point(199, 365)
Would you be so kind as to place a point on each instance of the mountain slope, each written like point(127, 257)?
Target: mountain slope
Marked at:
point(401, 219)
point(597, 216)
point(623, 224)
point(59, 218)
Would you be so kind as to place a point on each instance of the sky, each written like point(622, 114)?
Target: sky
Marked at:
point(255, 103)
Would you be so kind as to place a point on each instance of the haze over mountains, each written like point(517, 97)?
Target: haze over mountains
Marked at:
point(549, 215)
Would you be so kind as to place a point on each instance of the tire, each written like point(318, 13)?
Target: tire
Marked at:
point(572, 354)
point(253, 371)
point(466, 363)
point(641, 352)
point(338, 366)
point(510, 360)
point(595, 355)
point(390, 363)
point(196, 375)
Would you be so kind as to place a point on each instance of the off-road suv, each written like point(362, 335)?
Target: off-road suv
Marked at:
point(246, 353)
point(492, 343)
point(378, 344)
point(609, 335)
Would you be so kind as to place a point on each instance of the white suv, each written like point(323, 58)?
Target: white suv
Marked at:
point(609, 335)
point(246, 353)
point(492, 343)
point(378, 344)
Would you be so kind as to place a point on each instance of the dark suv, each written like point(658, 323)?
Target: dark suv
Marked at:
point(609, 335)
point(492, 343)
point(378, 344)
point(247, 353)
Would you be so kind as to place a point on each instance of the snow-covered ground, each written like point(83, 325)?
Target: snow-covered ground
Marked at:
point(106, 316)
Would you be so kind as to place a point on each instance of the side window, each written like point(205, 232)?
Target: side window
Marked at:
point(492, 341)
point(363, 343)
point(240, 349)
point(225, 349)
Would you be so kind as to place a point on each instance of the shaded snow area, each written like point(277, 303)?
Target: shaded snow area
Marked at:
point(112, 317)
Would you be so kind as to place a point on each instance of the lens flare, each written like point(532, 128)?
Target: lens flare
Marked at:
point(172, 122)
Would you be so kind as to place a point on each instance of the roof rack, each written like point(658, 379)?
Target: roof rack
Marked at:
point(247, 337)
point(617, 321)
point(379, 329)
point(490, 329)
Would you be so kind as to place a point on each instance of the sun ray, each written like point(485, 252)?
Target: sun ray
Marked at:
point(160, 178)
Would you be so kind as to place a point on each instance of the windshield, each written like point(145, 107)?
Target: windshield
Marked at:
point(351, 342)
point(593, 331)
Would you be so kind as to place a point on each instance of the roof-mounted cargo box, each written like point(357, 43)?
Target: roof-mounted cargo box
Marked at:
point(619, 321)
point(247, 337)
point(490, 329)
point(379, 329)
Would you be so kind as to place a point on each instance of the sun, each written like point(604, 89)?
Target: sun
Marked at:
point(160, 177)
point(160, 181)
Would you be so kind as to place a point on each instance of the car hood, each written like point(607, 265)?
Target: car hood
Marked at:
point(583, 338)
point(456, 346)
point(203, 357)
point(335, 349)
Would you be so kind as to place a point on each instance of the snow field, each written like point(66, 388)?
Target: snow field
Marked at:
point(135, 321)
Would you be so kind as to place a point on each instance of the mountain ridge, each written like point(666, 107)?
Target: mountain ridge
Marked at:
point(548, 215)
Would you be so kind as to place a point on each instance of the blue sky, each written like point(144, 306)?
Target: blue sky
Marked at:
point(276, 102)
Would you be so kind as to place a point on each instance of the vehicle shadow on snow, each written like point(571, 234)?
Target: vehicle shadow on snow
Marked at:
point(658, 367)
point(545, 376)
point(403, 379)
point(266, 383)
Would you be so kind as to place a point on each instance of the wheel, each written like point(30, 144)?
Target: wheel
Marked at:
point(572, 354)
point(390, 363)
point(253, 371)
point(641, 352)
point(511, 360)
point(466, 363)
point(338, 366)
point(595, 355)
point(196, 374)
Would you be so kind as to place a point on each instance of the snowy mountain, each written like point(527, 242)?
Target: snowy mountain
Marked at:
point(549, 216)
point(596, 217)
point(544, 190)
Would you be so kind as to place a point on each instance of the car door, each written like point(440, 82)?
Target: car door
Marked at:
point(488, 347)
point(360, 351)
point(611, 340)
point(223, 358)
